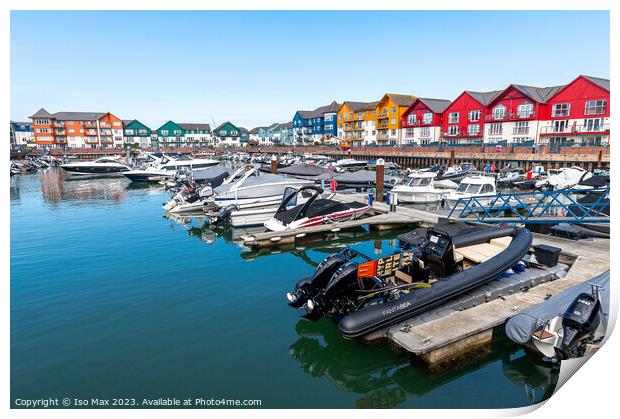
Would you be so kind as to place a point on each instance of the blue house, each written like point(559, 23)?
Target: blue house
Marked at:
point(316, 125)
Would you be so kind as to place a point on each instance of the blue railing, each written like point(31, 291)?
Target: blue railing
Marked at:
point(535, 207)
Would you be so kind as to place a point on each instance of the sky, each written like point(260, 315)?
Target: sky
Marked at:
point(257, 67)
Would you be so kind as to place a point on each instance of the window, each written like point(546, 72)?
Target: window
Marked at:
point(117, 124)
point(409, 133)
point(453, 117)
point(393, 110)
point(164, 132)
point(495, 128)
point(453, 129)
point(425, 132)
point(340, 116)
point(393, 121)
point(473, 129)
point(393, 132)
point(411, 119)
point(233, 132)
point(71, 131)
point(427, 118)
point(521, 127)
point(474, 116)
point(594, 107)
point(560, 126)
point(499, 112)
point(525, 110)
point(177, 132)
point(560, 109)
point(593, 125)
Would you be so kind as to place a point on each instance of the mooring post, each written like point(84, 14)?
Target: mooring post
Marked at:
point(274, 164)
point(379, 179)
point(451, 162)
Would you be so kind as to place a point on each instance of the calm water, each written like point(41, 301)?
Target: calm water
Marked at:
point(110, 299)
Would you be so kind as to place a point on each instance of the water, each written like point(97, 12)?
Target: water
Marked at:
point(110, 299)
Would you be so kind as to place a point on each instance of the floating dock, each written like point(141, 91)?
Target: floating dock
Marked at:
point(448, 334)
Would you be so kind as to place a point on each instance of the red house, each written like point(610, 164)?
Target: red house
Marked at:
point(514, 115)
point(578, 113)
point(421, 122)
point(463, 120)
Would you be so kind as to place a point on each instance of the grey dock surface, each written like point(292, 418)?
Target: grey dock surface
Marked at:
point(444, 338)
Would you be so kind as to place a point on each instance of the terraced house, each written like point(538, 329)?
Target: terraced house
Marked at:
point(462, 121)
point(422, 121)
point(197, 134)
point(170, 135)
point(228, 134)
point(136, 133)
point(389, 112)
point(357, 122)
point(316, 125)
point(77, 129)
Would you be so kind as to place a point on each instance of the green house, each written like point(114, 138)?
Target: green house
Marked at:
point(135, 132)
point(228, 133)
point(171, 134)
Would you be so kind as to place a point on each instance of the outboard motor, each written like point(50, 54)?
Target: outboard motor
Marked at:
point(306, 288)
point(224, 214)
point(579, 321)
point(342, 283)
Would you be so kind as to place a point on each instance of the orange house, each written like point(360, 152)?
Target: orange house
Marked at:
point(356, 122)
point(390, 110)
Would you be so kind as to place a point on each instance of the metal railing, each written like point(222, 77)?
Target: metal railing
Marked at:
point(534, 207)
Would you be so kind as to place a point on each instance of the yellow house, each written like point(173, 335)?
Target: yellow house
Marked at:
point(356, 122)
point(389, 112)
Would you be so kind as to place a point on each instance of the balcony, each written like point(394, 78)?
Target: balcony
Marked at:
point(508, 116)
point(60, 132)
point(59, 124)
point(520, 130)
point(383, 137)
point(105, 125)
point(90, 125)
point(61, 139)
point(495, 132)
point(383, 126)
point(91, 140)
point(587, 129)
point(353, 128)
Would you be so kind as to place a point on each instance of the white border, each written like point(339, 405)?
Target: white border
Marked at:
point(590, 393)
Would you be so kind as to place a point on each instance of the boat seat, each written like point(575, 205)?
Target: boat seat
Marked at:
point(479, 252)
point(502, 242)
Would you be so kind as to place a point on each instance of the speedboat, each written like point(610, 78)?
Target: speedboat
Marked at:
point(101, 166)
point(456, 172)
point(349, 164)
point(315, 211)
point(419, 188)
point(473, 187)
point(565, 178)
point(191, 196)
point(252, 187)
point(508, 178)
point(365, 295)
point(166, 167)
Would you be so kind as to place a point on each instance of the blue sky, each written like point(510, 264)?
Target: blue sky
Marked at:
point(258, 67)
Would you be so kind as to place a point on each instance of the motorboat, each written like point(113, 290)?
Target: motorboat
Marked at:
point(477, 186)
point(419, 188)
point(192, 195)
point(165, 167)
point(365, 295)
point(256, 214)
point(359, 180)
point(571, 324)
point(251, 187)
point(508, 178)
point(349, 164)
point(315, 211)
point(564, 178)
point(456, 172)
point(102, 166)
point(303, 170)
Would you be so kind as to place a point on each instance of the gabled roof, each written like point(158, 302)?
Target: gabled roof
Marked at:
point(361, 106)
point(539, 94)
point(223, 124)
point(435, 105)
point(255, 130)
point(604, 83)
point(318, 112)
point(194, 126)
point(78, 116)
point(484, 97)
point(41, 113)
point(401, 100)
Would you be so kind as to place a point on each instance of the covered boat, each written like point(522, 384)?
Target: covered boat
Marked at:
point(370, 295)
point(565, 178)
point(303, 170)
point(314, 211)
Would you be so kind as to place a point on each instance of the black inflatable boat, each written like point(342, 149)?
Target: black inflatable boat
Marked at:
point(370, 295)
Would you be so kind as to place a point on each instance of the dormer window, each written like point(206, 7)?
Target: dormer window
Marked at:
point(499, 112)
point(525, 110)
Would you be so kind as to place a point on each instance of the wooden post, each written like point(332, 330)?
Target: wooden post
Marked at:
point(274, 164)
point(451, 162)
point(380, 179)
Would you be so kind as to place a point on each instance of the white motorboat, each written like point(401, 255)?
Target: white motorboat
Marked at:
point(252, 187)
point(564, 178)
point(166, 167)
point(349, 164)
point(419, 188)
point(102, 166)
point(473, 186)
point(191, 196)
point(315, 211)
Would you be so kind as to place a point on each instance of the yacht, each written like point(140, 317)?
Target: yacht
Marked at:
point(473, 186)
point(456, 172)
point(165, 167)
point(252, 187)
point(419, 188)
point(102, 166)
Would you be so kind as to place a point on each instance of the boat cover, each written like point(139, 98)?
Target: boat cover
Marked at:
point(519, 327)
point(201, 175)
point(303, 169)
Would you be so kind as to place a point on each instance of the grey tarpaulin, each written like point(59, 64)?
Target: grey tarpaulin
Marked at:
point(519, 328)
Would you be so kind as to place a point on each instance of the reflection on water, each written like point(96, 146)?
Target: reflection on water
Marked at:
point(56, 186)
point(384, 376)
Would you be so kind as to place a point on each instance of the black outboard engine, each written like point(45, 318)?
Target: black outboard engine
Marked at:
point(438, 253)
point(306, 288)
point(339, 287)
point(579, 321)
point(224, 214)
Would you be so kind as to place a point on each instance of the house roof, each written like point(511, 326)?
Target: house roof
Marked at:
point(604, 83)
point(435, 105)
point(41, 113)
point(21, 123)
point(194, 126)
point(401, 100)
point(361, 106)
point(484, 97)
point(539, 94)
point(78, 116)
point(332, 107)
point(223, 124)
point(255, 130)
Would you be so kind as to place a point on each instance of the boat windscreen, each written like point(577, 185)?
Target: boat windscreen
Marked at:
point(469, 188)
point(419, 181)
